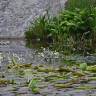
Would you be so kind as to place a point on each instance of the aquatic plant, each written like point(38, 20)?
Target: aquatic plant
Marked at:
point(83, 66)
point(44, 76)
point(33, 86)
point(37, 30)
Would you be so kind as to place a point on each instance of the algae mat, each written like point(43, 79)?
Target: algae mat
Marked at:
point(47, 80)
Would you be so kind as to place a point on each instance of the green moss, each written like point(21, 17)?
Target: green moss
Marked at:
point(33, 86)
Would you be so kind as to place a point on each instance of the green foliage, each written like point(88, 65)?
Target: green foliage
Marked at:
point(91, 68)
point(71, 29)
point(14, 61)
point(33, 86)
point(83, 66)
point(37, 30)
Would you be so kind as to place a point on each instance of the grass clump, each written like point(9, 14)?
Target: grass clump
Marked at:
point(33, 86)
point(37, 30)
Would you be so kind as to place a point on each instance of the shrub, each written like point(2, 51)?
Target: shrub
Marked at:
point(73, 27)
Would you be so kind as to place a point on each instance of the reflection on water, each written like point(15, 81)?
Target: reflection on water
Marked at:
point(22, 54)
point(9, 48)
point(19, 76)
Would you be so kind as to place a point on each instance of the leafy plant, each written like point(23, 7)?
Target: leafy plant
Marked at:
point(68, 31)
point(37, 30)
point(83, 66)
point(33, 86)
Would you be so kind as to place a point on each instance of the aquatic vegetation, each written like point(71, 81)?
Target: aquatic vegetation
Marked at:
point(85, 87)
point(83, 66)
point(33, 86)
point(91, 68)
point(4, 82)
point(13, 60)
point(19, 66)
point(68, 84)
point(72, 30)
point(37, 31)
point(38, 77)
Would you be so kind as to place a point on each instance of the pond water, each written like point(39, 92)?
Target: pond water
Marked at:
point(19, 64)
point(15, 50)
